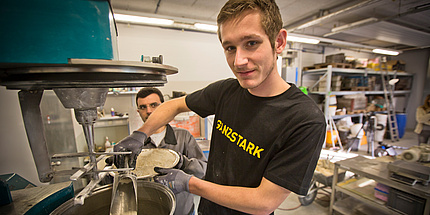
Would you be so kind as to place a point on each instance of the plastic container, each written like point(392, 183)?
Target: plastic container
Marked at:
point(401, 123)
point(332, 110)
point(381, 120)
point(332, 100)
point(329, 139)
point(107, 143)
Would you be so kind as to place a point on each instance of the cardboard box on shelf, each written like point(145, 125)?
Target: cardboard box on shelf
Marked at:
point(398, 65)
point(333, 88)
point(403, 84)
point(364, 82)
point(373, 64)
point(335, 58)
point(360, 63)
point(336, 82)
point(352, 102)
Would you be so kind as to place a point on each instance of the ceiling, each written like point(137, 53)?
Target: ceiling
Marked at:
point(393, 24)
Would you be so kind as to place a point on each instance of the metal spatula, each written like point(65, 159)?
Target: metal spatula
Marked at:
point(124, 194)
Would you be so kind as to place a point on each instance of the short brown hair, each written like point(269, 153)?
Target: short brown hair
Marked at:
point(271, 20)
point(144, 92)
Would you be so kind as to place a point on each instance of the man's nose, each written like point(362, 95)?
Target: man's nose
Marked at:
point(241, 58)
point(149, 109)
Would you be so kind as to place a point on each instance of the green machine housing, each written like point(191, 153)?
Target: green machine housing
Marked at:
point(52, 31)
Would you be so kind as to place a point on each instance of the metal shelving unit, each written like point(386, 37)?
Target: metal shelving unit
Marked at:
point(327, 74)
point(374, 171)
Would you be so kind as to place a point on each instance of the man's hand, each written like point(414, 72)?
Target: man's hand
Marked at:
point(133, 143)
point(175, 179)
point(180, 162)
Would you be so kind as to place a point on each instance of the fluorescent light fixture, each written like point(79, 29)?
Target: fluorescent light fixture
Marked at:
point(302, 40)
point(142, 20)
point(206, 27)
point(386, 52)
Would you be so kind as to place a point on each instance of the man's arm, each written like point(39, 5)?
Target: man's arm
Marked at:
point(195, 162)
point(263, 199)
point(165, 113)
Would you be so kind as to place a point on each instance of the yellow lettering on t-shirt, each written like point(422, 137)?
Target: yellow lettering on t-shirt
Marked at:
point(219, 125)
point(243, 144)
point(225, 129)
point(233, 137)
point(257, 152)
point(240, 138)
point(240, 141)
point(250, 147)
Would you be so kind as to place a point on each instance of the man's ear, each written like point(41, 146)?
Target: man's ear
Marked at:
point(281, 41)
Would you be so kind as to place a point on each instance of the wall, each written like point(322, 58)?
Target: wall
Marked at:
point(417, 62)
point(15, 153)
point(198, 56)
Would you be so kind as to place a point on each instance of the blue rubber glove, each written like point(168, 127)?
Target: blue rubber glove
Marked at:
point(176, 180)
point(133, 143)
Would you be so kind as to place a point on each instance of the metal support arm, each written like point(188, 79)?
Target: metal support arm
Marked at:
point(30, 108)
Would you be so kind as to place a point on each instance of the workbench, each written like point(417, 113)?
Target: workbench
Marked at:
point(363, 196)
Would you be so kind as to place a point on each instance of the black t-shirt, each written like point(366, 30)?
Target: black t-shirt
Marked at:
point(279, 138)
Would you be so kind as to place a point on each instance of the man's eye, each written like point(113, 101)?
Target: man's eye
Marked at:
point(252, 43)
point(230, 49)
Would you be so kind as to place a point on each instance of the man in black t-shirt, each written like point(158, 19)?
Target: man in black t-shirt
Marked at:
point(267, 135)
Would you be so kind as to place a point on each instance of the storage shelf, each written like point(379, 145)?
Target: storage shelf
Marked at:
point(365, 193)
point(111, 121)
point(377, 171)
point(341, 93)
point(123, 93)
point(107, 118)
point(335, 117)
point(351, 206)
point(328, 73)
point(353, 71)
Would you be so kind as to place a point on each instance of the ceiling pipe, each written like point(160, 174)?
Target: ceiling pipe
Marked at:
point(357, 24)
point(342, 43)
point(353, 25)
point(331, 15)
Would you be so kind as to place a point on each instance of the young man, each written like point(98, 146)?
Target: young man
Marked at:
point(192, 159)
point(267, 135)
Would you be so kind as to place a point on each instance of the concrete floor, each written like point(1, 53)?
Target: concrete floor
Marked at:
point(320, 205)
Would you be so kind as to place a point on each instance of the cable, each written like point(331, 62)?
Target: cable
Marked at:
point(326, 194)
point(290, 209)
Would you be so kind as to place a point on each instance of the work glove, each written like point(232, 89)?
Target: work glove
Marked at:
point(180, 162)
point(133, 143)
point(176, 180)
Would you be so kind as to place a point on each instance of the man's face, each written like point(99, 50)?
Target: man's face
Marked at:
point(147, 105)
point(247, 49)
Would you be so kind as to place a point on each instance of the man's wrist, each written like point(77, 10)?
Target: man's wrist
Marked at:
point(192, 184)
